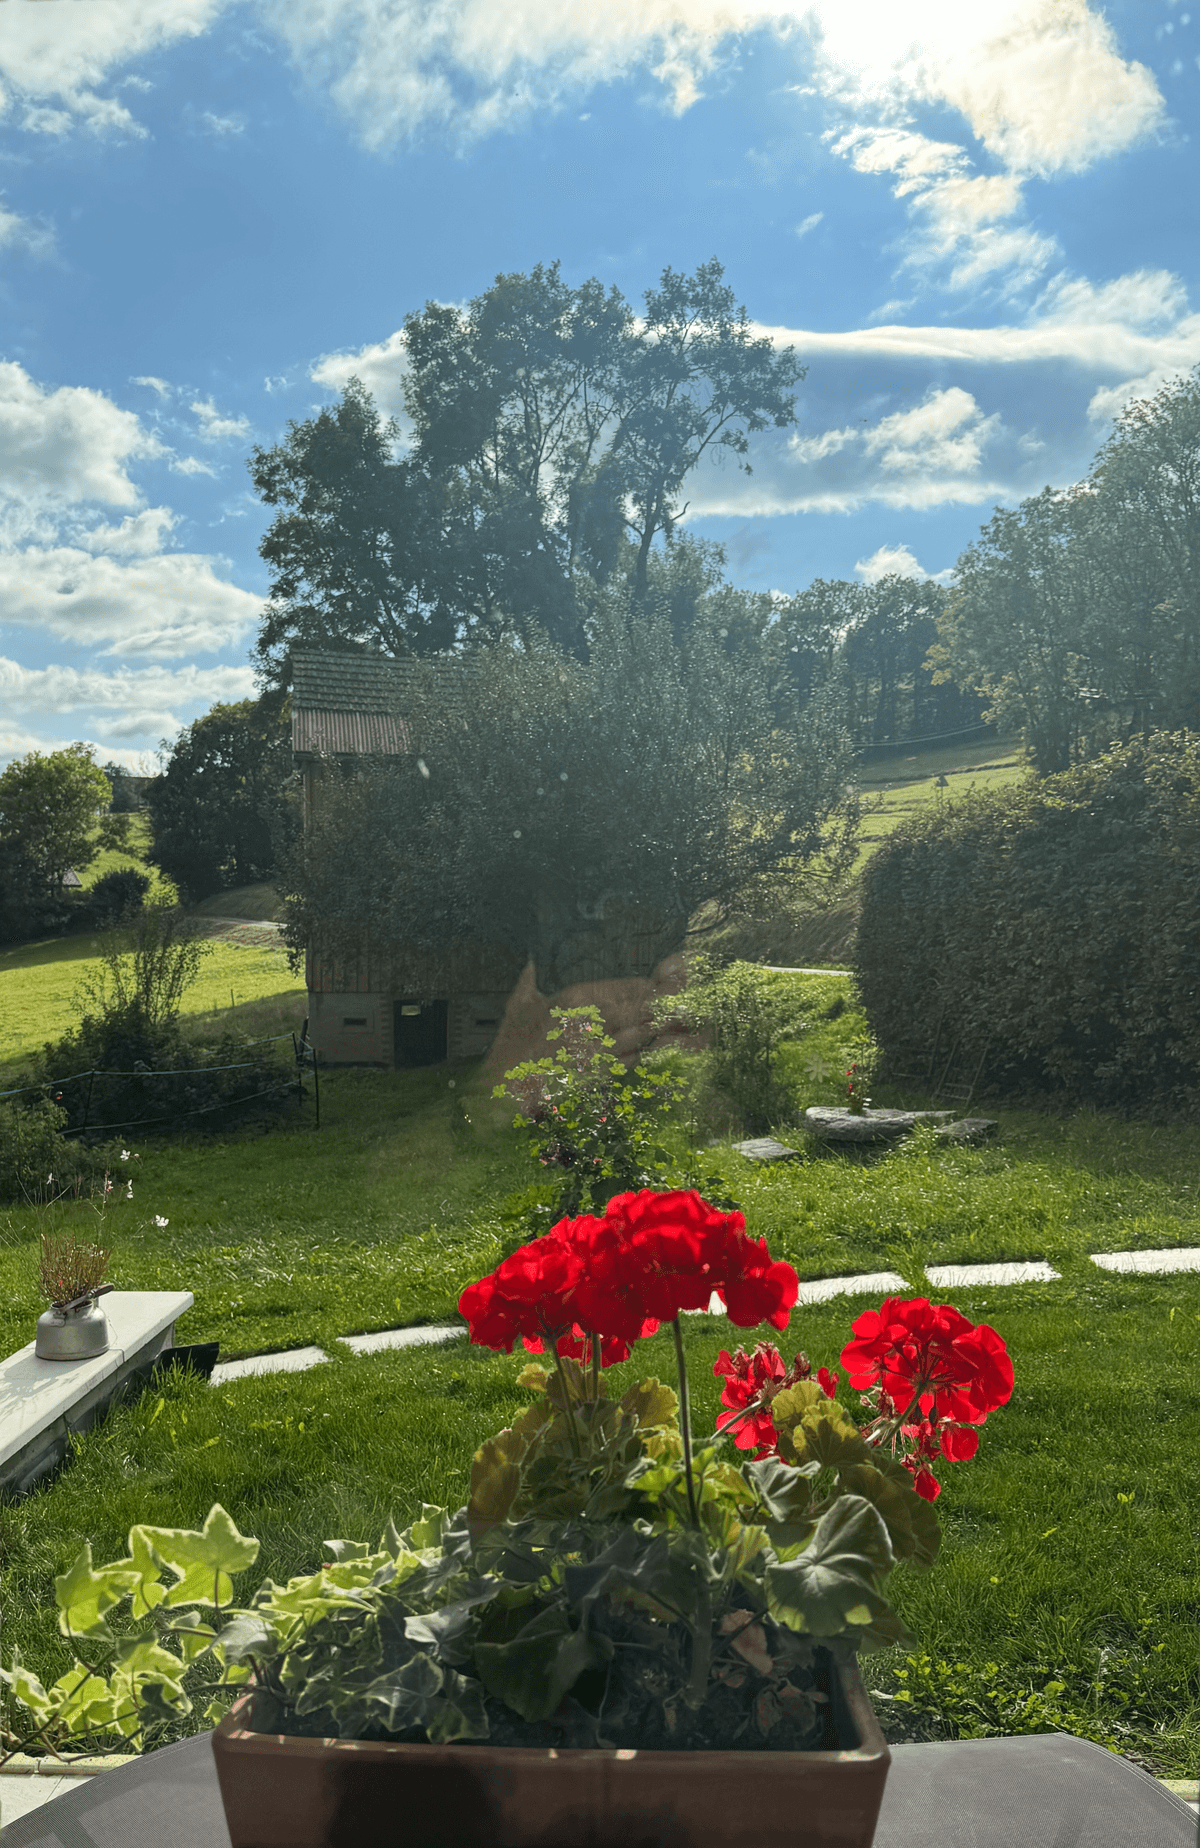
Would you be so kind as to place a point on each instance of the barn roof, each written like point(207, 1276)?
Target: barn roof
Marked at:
point(347, 704)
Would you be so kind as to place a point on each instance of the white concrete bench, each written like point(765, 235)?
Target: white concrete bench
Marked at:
point(43, 1401)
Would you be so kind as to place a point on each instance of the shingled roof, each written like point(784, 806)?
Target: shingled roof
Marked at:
point(347, 704)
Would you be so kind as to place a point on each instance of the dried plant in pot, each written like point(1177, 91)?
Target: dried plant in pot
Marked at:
point(71, 1274)
point(624, 1632)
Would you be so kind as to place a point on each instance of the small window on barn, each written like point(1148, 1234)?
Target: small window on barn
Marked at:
point(494, 1022)
point(354, 1020)
point(409, 1007)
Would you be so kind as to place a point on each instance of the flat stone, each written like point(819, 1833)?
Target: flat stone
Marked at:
point(765, 1148)
point(966, 1129)
point(866, 1283)
point(19, 1796)
point(839, 1125)
point(293, 1360)
point(1152, 1262)
point(43, 1401)
point(962, 1276)
point(402, 1338)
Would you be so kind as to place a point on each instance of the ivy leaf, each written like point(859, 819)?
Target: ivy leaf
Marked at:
point(149, 1591)
point(461, 1713)
point(247, 1635)
point(428, 1530)
point(27, 1688)
point(84, 1701)
point(832, 1583)
point(84, 1595)
point(202, 1562)
point(533, 1671)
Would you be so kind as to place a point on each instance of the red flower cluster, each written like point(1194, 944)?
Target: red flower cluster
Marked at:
point(751, 1382)
point(651, 1256)
point(949, 1366)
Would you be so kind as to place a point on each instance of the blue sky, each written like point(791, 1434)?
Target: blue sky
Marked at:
point(977, 224)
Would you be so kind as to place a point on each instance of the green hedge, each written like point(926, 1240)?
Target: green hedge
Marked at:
point(1047, 935)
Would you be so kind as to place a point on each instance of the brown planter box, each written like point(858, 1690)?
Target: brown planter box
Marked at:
point(285, 1792)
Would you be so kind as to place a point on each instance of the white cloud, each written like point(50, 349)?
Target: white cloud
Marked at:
point(890, 561)
point(138, 536)
point(214, 426)
point(191, 465)
point(944, 436)
point(124, 714)
point(222, 127)
point(61, 50)
point(158, 386)
point(72, 444)
point(809, 224)
point(164, 606)
point(381, 365)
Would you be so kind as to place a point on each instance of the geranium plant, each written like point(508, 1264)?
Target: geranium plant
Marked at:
point(610, 1581)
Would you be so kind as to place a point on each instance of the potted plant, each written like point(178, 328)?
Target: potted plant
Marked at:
point(589, 1649)
point(71, 1272)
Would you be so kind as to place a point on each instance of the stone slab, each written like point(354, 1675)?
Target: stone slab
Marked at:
point(867, 1126)
point(425, 1336)
point(866, 1283)
point(43, 1401)
point(1154, 1263)
point(962, 1276)
point(966, 1129)
point(21, 1795)
point(765, 1148)
point(292, 1360)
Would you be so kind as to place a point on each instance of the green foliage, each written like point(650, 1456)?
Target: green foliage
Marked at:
point(553, 433)
point(223, 810)
point(576, 815)
point(38, 1164)
point(112, 899)
point(592, 1123)
point(1049, 934)
point(146, 968)
point(748, 1013)
point(50, 806)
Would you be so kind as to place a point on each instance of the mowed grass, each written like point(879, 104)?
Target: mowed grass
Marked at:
point(905, 783)
point(40, 986)
point(1066, 1596)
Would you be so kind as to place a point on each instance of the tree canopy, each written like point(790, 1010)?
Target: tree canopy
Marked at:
point(53, 815)
point(1077, 614)
point(553, 432)
point(579, 813)
point(220, 811)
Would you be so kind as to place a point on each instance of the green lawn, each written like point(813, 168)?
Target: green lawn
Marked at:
point(1067, 1592)
point(903, 784)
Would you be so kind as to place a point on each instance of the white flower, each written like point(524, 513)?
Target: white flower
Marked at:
point(129, 1190)
point(160, 1221)
point(124, 1154)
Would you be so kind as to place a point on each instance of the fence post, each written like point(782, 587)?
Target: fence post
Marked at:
point(87, 1102)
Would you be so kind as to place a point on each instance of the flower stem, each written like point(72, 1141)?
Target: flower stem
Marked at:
point(685, 1422)
point(572, 1427)
point(594, 1346)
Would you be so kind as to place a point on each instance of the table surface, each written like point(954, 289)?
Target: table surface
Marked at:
point(1045, 1791)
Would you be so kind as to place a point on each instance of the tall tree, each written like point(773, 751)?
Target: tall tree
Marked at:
point(53, 815)
point(223, 812)
point(553, 433)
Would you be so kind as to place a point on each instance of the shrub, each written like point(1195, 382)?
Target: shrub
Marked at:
point(1047, 936)
point(592, 1124)
point(39, 1164)
point(747, 1013)
point(114, 898)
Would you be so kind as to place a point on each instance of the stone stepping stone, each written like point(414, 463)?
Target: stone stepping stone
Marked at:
point(423, 1336)
point(966, 1129)
point(294, 1360)
point(765, 1148)
point(1156, 1263)
point(867, 1283)
point(961, 1276)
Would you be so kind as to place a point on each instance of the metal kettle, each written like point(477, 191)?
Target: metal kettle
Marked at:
point(76, 1330)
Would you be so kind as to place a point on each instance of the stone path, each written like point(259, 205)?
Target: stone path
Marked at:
point(812, 1290)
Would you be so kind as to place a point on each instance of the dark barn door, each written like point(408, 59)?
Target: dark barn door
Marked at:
point(419, 1031)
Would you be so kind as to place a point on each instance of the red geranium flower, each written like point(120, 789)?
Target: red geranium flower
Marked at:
point(752, 1381)
point(524, 1296)
point(911, 1350)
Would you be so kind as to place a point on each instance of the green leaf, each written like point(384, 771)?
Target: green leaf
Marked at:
point(84, 1701)
point(202, 1562)
point(542, 1662)
point(84, 1595)
point(149, 1591)
point(832, 1584)
point(652, 1404)
point(784, 1491)
point(428, 1530)
point(495, 1480)
point(814, 1429)
point(27, 1688)
point(911, 1522)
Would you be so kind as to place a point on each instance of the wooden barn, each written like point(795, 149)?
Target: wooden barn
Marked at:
point(346, 705)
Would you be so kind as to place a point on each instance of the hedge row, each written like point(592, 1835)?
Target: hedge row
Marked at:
point(1048, 935)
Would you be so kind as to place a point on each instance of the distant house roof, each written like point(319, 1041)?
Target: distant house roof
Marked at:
point(346, 704)
point(72, 881)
